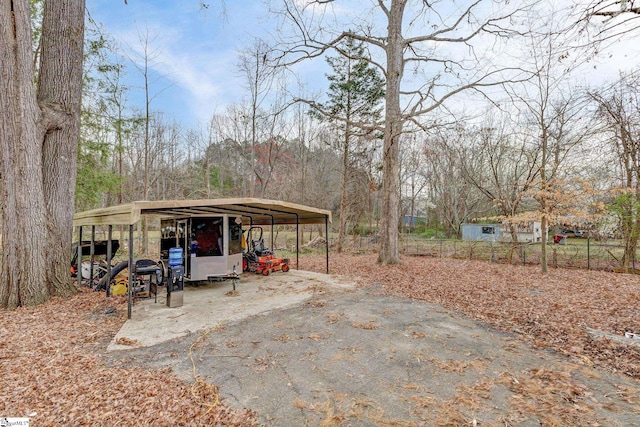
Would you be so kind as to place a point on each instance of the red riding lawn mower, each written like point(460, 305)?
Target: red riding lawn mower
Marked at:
point(257, 258)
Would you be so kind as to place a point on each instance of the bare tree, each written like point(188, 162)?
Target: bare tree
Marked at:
point(142, 63)
point(504, 166)
point(454, 199)
point(619, 109)
point(403, 35)
point(554, 109)
point(164, 151)
point(307, 136)
point(204, 164)
point(169, 174)
point(143, 58)
point(260, 79)
point(228, 135)
point(215, 165)
point(614, 7)
point(619, 18)
point(414, 183)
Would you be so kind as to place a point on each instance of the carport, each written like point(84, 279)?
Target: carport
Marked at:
point(258, 212)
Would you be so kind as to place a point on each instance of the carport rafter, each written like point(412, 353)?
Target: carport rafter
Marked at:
point(260, 211)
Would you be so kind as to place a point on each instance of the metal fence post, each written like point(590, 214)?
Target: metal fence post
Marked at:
point(79, 261)
point(588, 253)
point(492, 252)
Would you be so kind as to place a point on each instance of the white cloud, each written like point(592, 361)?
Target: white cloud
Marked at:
point(191, 55)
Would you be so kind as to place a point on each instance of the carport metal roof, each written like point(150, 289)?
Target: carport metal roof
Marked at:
point(260, 211)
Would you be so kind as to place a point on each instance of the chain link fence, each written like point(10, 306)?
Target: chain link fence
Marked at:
point(573, 253)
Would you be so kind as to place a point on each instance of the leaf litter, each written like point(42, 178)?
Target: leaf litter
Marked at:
point(53, 373)
point(52, 369)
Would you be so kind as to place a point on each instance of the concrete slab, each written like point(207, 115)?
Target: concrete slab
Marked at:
point(212, 304)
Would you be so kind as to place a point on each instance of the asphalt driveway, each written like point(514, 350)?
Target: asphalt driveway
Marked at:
point(308, 349)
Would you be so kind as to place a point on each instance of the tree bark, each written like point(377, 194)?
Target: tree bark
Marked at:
point(38, 144)
point(544, 188)
point(21, 132)
point(631, 232)
point(389, 252)
point(60, 84)
point(342, 230)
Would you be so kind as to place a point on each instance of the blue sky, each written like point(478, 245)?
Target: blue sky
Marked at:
point(195, 51)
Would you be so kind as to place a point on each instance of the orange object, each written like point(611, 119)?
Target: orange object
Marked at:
point(258, 259)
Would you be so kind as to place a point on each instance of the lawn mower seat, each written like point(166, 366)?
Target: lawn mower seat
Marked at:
point(258, 247)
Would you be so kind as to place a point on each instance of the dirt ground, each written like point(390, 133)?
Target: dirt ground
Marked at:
point(360, 357)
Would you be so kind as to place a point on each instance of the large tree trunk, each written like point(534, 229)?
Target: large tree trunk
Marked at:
point(544, 264)
point(23, 213)
point(60, 85)
point(38, 145)
point(342, 230)
point(389, 252)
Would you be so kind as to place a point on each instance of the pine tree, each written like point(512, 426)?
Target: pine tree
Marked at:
point(354, 109)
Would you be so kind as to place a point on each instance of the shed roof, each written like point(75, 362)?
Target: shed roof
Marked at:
point(261, 211)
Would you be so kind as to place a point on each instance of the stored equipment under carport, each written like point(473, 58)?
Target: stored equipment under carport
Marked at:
point(211, 245)
point(255, 211)
point(258, 258)
point(175, 278)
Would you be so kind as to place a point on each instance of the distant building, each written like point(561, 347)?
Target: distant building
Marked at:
point(500, 232)
point(485, 232)
point(414, 220)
